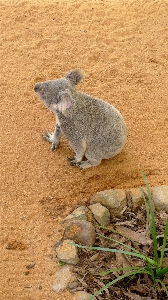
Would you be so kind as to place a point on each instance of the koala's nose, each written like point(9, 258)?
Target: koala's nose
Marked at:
point(37, 87)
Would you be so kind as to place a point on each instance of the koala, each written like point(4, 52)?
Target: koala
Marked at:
point(94, 128)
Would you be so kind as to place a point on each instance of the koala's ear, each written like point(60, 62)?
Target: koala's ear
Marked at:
point(65, 101)
point(75, 76)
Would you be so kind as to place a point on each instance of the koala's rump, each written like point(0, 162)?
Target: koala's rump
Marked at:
point(97, 123)
point(106, 126)
point(107, 141)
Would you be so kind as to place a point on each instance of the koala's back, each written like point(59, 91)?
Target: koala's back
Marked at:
point(96, 122)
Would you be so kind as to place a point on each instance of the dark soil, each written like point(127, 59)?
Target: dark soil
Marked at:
point(135, 232)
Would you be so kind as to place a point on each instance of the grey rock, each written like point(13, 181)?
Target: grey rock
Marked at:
point(82, 296)
point(63, 278)
point(160, 197)
point(73, 285)
point(66, 252)
point(136, 196)
point(101, 214)
point(78, 214)
point(81, 231)
point(114, 200)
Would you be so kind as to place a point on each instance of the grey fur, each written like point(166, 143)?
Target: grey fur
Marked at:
point(94, 128)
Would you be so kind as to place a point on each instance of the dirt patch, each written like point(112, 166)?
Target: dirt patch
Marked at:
point(122, 48)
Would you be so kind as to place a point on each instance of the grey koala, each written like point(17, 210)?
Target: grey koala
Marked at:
point(94, 128)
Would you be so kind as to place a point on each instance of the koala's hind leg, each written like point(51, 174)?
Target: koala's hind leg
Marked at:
point(53, 137)
point(89, 163)
point(76, 160)
point(93, 159)
point(80, 153)
point(83, 164)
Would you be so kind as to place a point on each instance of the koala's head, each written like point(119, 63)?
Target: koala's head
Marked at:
point(57, 94)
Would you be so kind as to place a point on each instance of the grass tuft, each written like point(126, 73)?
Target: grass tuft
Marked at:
point(152, 267)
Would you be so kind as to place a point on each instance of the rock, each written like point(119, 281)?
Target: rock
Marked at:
point(63, 278)
point(160, 197)
point(78, 214)
point(101, 214)
point(66, 252)
point(114, 200)
point(73, 285)
point(82, 296)
point(81, 231)
point(136, 196)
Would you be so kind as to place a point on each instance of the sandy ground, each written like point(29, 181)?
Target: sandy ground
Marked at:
point(122, 46)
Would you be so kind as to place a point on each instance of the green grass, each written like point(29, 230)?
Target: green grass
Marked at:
point(152, 266)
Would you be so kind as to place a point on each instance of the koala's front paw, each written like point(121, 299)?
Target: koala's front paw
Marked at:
point(49, 137)
point(54, 146)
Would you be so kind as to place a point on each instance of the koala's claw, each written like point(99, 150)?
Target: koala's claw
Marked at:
point(48, 134)
point(81, 164)
point(49, 138)
point(73, 162)
point(54, 147)
point(45, 138)
point(71, 158)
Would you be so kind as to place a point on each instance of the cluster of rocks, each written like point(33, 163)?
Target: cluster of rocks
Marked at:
point(79, 228)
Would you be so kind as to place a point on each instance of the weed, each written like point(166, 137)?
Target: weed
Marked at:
point(152, 266)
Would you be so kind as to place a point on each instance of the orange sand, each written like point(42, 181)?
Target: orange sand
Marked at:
point(122, 46)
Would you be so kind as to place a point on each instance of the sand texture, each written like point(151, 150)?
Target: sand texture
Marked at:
point(122, 47)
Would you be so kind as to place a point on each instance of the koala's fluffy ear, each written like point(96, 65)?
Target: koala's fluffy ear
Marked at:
point(75, 76)
point(65, 101)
